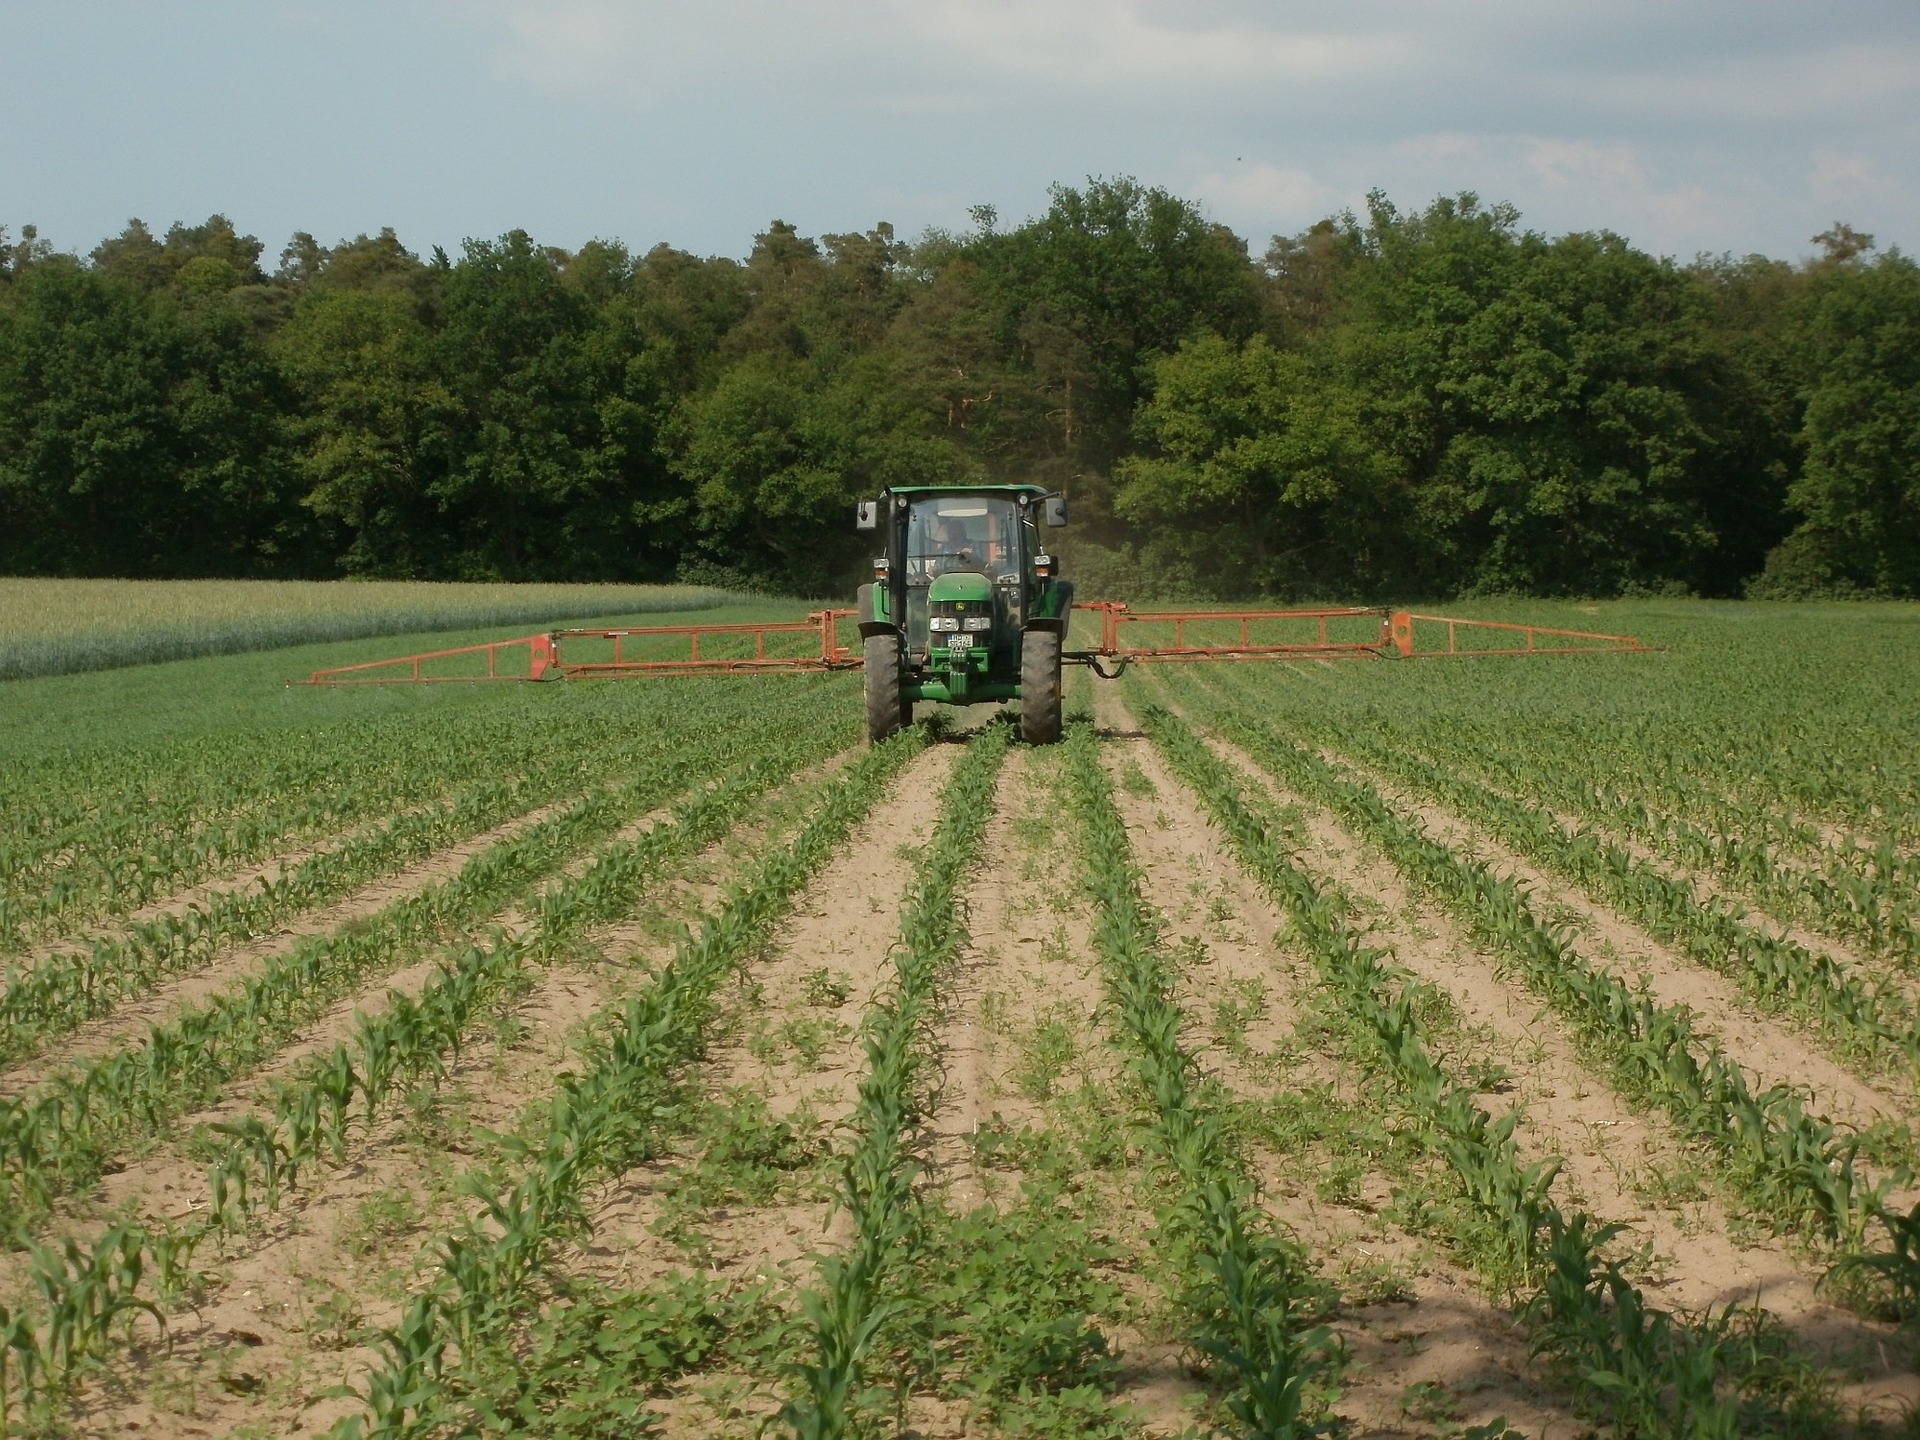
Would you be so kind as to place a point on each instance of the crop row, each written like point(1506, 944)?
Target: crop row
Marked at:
point(62, 991)
point(1867, 895)
point(597, 1123)
point(1860, 1020)
point(408, 1038)
point(1252, 1304)
point(263, 1156)
point(79, 843)
point(1805, 743)
point(57, 1137)
point(1654, 1373)
point(878, 1174)
point(1794, 1168)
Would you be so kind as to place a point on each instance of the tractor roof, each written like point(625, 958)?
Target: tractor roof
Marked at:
point(968, 489)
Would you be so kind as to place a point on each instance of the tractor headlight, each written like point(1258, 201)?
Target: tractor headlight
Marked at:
point(945, 622)
point(978, 622)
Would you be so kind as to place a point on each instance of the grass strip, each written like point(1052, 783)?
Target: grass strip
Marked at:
point(58, 627)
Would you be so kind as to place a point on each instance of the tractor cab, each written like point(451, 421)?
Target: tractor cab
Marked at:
point(966, 604)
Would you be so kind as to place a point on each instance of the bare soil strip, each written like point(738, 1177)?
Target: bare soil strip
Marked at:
point(288, 1312)
point(794, 1039)
point(1770, 1046)
point(1620, 1164)
point(130, 1022)
point(1021, 968)
point(792, 1056)
point(1025, 1049)
point(1431, 1326)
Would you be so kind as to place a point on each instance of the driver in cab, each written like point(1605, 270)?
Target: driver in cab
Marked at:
point(955, 547)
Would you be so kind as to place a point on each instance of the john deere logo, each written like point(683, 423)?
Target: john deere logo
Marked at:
point(960, 607)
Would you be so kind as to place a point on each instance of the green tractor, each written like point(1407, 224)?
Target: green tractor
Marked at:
point(965, 605)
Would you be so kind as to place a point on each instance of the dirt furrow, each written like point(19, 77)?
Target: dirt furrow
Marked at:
point(1413, 1323)
point(1767, 1045)
point(1031, 1076)
point(1619, 1163)
point(794, 1041)
point(129, 1023)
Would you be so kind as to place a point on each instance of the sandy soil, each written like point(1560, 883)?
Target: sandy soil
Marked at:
point(288, 1307)
point(130, 1023)
point(1770, 1047)
point(1620, 1164)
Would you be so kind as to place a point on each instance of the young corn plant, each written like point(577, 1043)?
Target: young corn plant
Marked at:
point(315, 1111)
point(64, 990)
point(603, 1119)
point(56, 1138)
point(1858, 1019)
point(1627, 1358)
point(847, 1312)
point(1863, 893)
point(1251, 1307)
point(1794, 1169)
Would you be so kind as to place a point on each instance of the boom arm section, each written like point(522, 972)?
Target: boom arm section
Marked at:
point(1126, 636)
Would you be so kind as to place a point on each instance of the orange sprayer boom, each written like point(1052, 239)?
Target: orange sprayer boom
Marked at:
point(1126, 636)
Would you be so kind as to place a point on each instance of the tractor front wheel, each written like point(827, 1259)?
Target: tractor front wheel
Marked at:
point(1040, 687)
point(888, 709)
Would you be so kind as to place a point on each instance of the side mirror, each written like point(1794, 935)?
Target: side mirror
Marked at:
point(1054, 507)
point(866, 515)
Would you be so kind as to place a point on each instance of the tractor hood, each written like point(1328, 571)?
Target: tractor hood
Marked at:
point(960, 585)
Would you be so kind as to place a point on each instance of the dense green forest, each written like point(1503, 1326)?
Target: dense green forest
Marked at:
point(1392, 405)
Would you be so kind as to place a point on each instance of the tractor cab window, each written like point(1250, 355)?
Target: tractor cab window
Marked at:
point(962, 532)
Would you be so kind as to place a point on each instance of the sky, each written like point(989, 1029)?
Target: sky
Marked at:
point(1689, 126)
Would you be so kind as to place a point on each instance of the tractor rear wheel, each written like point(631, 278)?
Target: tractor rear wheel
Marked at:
point(1040, 687)
point(888, 710)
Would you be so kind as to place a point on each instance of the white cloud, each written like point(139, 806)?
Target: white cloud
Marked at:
point(643, 48)
point(1114, 42)
point(1656, 118)
point(1278, 198)
point(1839, 178)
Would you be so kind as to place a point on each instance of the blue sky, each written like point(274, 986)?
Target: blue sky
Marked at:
point(1744, 125)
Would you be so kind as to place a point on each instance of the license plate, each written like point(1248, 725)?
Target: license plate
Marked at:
point(960, 642)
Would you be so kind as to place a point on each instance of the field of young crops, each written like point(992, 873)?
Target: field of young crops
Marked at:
point(1371, 1048)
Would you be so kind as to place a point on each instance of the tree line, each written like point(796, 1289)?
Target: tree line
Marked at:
point(1387, 405)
